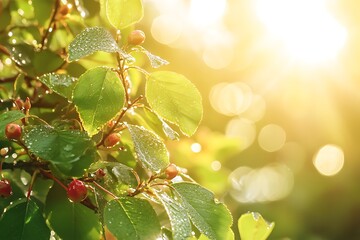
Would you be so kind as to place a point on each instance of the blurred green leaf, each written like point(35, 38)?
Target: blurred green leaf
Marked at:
point(123, 13)
point(23, 220)
point(43, 10)
point(252, 226)
point(70, 220)
point(62, 84)
point(149, 148)
point(179, 219)
point(98, 97)
point(33, 62)
point(9, 117)
point(211, 217)
point(91, 40)
point(129, 218)
point(173, 97)
point(56, 145)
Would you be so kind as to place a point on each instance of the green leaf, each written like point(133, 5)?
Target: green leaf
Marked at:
point(150, 120)
point(43, 10)
point(33, 62)
point(77, 169)
point(98, 97)
point(211, 217)
point(123, 13)
point(9, 117)
point(91, 40)
point(129, 218)
point(173, 97)
point(179, 220)
point(150, 150)
point(252, 226)
point(60, 83)
point(155, 61)
point(70, 220)
point(23, 220)
point(57, 146)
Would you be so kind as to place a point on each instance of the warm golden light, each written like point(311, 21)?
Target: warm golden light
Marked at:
point(329, 160)
point(272, 138)
point(309, 33)
point(204, 13)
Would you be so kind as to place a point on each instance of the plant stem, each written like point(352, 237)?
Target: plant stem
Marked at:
point(49, 175)
point(49, 29)
point(31, 184)
point(105, 190)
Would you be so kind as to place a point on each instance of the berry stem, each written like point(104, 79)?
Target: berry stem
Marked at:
point(105, 190)
point(32, 183)
point(49, 175)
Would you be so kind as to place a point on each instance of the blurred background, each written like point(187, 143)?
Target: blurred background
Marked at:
point(280, 86)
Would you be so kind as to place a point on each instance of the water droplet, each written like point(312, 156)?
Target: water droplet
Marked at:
point(68, 147)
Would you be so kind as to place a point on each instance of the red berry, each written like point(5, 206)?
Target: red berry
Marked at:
point(13, 131)
point(171, 171)
point(77, 191)
point(100, 173)
point(64, 10)
point(19, 103)
point(111, 140)
point(136, 37)
point(5, 188)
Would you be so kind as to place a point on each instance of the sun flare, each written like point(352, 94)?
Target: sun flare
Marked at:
point(306, 28)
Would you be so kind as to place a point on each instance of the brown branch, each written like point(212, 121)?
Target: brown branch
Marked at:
point(51, 24)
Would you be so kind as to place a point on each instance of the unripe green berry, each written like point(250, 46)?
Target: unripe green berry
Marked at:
point(136, 37)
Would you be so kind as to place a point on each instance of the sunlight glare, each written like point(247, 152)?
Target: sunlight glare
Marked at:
point(309, 33)
point(204, 13)
point(329, 160)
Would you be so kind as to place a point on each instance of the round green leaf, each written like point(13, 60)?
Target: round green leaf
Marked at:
point(23, 220)
point(211, 217)
point(57, 146)
point(91, 40)
point(70, 220)
point(173, 97)
point(123, 13)
point(98, 97)
point(149, 148)
point(252, 226)
point(129, 218)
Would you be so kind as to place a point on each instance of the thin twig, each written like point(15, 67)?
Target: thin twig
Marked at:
point(49, 29)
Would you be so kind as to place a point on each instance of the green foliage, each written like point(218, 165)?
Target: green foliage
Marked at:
point(131, 218)
point(123, 13)
point(98, 97)
point(23, 220)
point(170, 94)
point(252, 226)
point(68, 112)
